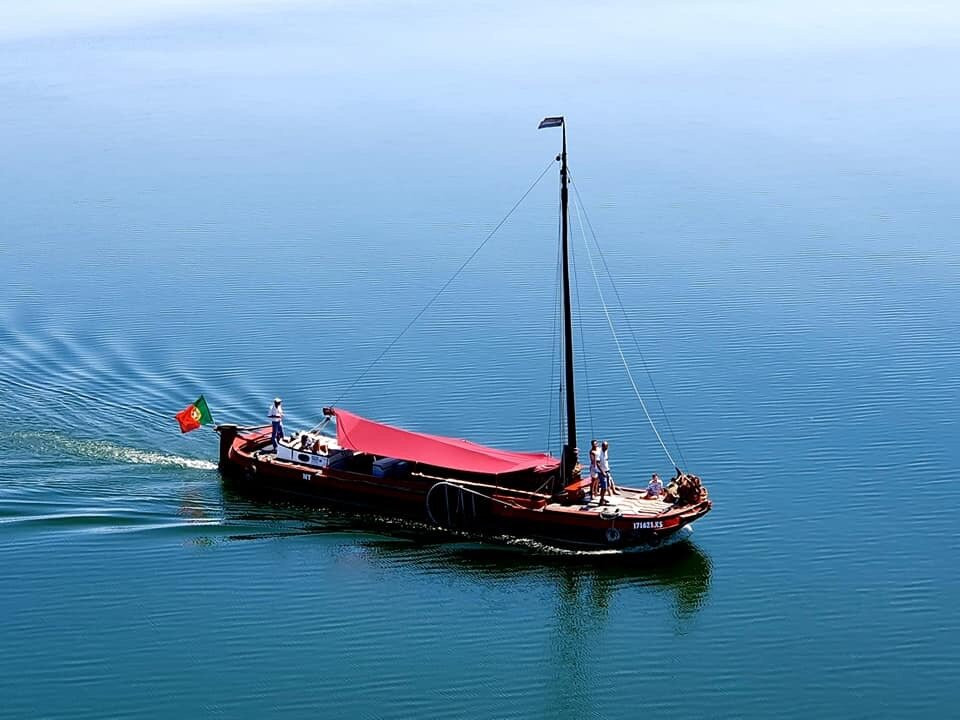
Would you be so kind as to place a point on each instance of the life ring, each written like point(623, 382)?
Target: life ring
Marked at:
point(613, 535)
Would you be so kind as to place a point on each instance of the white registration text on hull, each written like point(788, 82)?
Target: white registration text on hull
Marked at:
point(648, 525)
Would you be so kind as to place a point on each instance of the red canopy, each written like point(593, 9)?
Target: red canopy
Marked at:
point(362, 435)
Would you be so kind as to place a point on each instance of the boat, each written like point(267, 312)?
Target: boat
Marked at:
point(349, 461)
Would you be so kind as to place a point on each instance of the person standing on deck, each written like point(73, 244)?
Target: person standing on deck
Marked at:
point(594, 465)
point(605, 466)
point(602, 484)
point(276, 420)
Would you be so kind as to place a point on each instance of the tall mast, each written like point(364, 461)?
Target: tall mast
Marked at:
point(569, 457)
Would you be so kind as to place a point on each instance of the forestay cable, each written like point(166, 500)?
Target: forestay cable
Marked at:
point(578, 319)
point(626, 318)
point(616, 339)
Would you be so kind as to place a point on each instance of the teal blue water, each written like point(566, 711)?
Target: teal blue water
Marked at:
point(246, 200)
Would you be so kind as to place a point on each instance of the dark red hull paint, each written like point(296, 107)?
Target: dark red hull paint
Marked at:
point(505, 512)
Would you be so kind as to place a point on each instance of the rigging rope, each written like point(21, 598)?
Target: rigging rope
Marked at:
point(578, 318)
point(616, 339)
point(626, 318)
point(445, 285)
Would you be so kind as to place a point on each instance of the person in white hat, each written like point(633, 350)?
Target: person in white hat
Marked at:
point(276, 420)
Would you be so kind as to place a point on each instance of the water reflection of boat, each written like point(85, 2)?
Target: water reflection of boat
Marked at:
point(682, 569)
point(348, 460)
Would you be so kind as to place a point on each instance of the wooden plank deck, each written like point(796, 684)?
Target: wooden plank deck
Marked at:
point(629, 501)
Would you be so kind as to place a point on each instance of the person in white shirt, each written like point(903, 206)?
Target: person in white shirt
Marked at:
point(594, 464)
point(605, 466)
point(654, 487)
point(275, 413)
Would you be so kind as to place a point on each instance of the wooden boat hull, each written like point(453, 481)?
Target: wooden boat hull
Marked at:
point(478, 508)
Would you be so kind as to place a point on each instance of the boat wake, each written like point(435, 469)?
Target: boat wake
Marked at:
point(56, 444)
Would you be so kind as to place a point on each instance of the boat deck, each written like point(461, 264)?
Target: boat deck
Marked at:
point(628, 502)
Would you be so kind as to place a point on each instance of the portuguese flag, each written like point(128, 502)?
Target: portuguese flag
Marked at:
point(193, 416)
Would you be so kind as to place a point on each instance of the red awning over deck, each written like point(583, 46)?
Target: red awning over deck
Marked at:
point(362, 435)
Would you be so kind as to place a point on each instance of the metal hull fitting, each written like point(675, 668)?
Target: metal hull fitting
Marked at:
point(457, 504)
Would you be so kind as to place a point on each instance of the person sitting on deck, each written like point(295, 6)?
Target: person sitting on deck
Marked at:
point(276, 420)
point(594, 464)
point(654, 487)
point(319, 448)
point(305, 442)
point(671, 492)
point(691, 491)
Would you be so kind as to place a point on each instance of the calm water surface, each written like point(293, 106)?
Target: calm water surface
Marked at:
point(253, 200)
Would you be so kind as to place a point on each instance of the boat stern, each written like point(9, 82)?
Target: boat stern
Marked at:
point(228, 433)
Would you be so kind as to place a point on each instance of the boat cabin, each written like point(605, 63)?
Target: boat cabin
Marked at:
point(319, 451)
